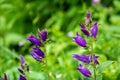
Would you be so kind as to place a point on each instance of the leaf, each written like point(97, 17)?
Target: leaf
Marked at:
point(99, 77)
point(104, 65)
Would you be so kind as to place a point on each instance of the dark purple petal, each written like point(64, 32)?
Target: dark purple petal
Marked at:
point(42, 35)
point(84, 71)
point(38, 52)
point(94, 30)
point(21, 71)
point(22, 60)
point(22, 77)
point(83, 58)
point(85, 31)
point(36, 56)
point(79, 40)
point(34, 40)
point(82, 25)
point(86, 58)
point(5, 77)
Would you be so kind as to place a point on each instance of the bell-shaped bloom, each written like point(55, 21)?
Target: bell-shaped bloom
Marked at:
point(22, 77)
point(86, 58)
point(37, 54)
point(94, 30)
point(88, 17)
point(42, 34)
point(86, 72)
point(79, 40)
point(34, 40)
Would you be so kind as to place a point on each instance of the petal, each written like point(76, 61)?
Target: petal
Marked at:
point(36, 56)
point(22, 60)
point(94, 30)
point(43, 35)
point(79, 40)
point(82, 25)
point(34, 40)
point(84, 71)
point(83, 58)
point(38, 52)
point(22, 77)
point(85, 31)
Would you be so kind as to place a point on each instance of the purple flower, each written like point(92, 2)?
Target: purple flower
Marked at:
point(37, 54)
point(88, 18)
point(22, 77)
point(79, 40)
point(84, 71)
point(22, 60)
point(42, 34)
point(94, 30)
point(86, 58)
point(34, 40)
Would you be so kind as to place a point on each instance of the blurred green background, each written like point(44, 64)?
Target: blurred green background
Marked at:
point(18, 18)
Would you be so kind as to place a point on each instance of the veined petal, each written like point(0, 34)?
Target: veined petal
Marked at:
point(84, 71)
point(79, 40)
point(38, 52)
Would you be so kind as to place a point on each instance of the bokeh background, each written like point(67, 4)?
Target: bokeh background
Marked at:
point(18, 18)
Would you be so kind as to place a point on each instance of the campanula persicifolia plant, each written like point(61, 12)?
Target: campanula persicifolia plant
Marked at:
point(89, 29)
point(37, 53)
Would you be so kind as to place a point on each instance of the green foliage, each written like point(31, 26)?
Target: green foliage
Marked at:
point(20, 17)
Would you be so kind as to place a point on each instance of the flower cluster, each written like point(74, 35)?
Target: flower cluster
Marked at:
point(90, 29)
point(24, 68)
point(36, 52)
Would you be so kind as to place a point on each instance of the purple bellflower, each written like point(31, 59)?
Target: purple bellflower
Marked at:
point(42, 34)
point(37, 54)
point(94, 30)
point(79, 40)
point(34, 40)
point(22, 77)
point(84, 71)
point(86, 58)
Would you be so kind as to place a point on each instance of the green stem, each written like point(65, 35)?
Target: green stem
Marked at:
point(46, 67)
point(94, 66)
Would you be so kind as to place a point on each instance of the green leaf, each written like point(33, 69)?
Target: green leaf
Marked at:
point(99, 77)
point(104, 65)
